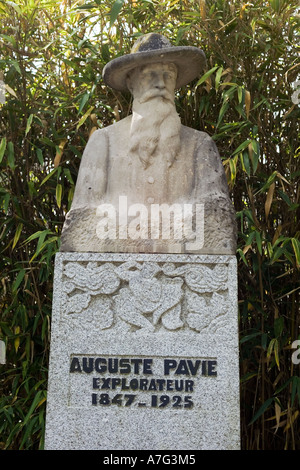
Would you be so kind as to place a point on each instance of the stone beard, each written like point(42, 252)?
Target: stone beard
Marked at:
point(155, 128)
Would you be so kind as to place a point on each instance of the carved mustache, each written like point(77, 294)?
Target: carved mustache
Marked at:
point(154, 93)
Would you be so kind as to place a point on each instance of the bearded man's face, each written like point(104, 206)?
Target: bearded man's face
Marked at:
point(155, 125)
point(153, 81)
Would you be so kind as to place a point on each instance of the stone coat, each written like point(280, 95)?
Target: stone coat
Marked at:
point(108, 172)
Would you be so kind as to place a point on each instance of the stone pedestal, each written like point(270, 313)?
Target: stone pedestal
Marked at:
point(144, 353)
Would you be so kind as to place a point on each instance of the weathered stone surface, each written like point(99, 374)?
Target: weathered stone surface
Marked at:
point(196, 177)
point(150, 49)
point(151, 161)
point(144, 353)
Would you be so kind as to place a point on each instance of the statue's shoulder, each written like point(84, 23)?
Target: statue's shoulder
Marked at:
point(201, 139)
point(119, 126)
point(112, 130)
point(190, 132)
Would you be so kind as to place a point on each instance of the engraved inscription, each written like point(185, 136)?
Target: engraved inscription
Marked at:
point(139, 382)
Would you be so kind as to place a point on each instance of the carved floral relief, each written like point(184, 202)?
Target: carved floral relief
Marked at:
point(147, 295)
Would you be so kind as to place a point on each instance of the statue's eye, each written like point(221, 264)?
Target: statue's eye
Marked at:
point(169, 76)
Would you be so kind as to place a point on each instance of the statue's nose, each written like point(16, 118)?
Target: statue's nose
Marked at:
point(159, 82)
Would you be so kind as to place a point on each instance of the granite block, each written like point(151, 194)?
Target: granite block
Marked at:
point(144, 353)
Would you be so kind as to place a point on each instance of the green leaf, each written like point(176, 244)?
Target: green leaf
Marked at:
point(58, 194)
point(180, 34)
point(245, 162)
point(242, 147)
point(277, 254)
point(2, 148)
point(49, 176)
point(296, 247)
point(84, 117)
point(285, 197)
point(105, 53)
point(11, 155)
point(248, 376)
point(283, 386)
point(39, 155)
point(34, 404)
point(33, 236)
point(278, 326)
point(240, 252)
point(16, 66)
point(274, 345)
point(223, 110)
point(68, 175)
point(295, 388)
point(5, 327)
point(218, 77)
point(232, 166)
point(206, 75)
point(250, 238)
point(264, 341)
point(15, 6)
point(258, 242)
point(275, 4)
point(240, 94)
point(83, 102)
point(116, 8)
point(28, 125)
point(262, 409)
point(6, 201)
point(17, 234)
point(18, 280)
point(254, 154)
point(249, 337)
point(42, 237)
point(10, 39)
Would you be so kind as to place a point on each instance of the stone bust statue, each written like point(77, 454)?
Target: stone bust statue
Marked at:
point(147, 183)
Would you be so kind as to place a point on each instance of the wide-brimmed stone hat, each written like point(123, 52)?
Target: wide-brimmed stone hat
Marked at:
point(152, 48)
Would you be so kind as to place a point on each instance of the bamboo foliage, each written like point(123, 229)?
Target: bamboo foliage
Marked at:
point(51, 57)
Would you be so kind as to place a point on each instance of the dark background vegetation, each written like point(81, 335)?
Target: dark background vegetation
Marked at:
point(51, 57)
